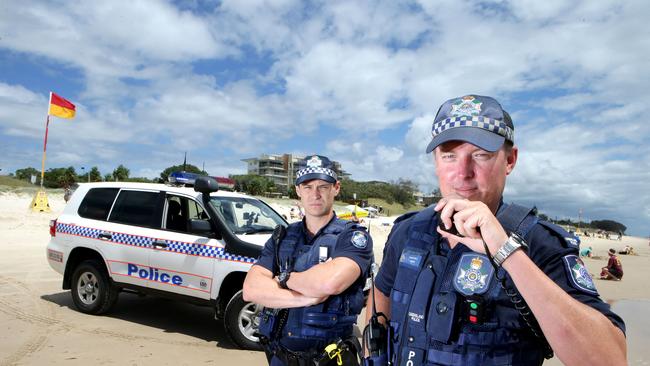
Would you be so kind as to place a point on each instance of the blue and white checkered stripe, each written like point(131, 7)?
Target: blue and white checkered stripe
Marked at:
point(78, 230)
point(485, 123)
point(146, 242)
point(310, 170)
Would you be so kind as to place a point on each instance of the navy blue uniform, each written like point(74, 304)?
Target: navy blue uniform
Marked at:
point(459, 276)
point(344, 248)
point(307, 330)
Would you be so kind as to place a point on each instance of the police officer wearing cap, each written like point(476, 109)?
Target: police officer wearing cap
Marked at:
point(311, 278)
point(475, 281)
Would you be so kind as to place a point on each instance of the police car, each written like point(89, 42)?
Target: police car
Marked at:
point(194, 244)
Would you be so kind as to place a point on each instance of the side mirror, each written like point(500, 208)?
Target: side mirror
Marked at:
point(200, 227)
point(206, 185)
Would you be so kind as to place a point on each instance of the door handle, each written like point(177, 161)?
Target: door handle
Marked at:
point(105, 235)
point(159, 243)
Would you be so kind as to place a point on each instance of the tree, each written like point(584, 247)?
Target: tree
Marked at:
point(26, 173)
point(95, 175)
point(108, 177)
point(403, 192)
point(608, 225)
point(252, 184)
point(121, 173)
point(179, 168)
point(60, 177)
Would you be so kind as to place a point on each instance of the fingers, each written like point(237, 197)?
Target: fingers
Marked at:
point(472, 220)
point(447, 207)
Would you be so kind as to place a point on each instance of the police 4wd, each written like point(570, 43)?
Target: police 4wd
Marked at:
point(191, 244)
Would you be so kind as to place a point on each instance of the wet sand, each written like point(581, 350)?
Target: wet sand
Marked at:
point(40, 326)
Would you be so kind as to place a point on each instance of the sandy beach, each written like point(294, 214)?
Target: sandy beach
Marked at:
point(40, 326)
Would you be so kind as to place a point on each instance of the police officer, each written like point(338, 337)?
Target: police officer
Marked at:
point(311, 278)
point(454, 275)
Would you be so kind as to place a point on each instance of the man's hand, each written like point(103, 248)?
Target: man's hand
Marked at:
point(474, 221)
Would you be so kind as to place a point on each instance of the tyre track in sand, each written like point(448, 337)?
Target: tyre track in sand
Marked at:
point(43, 317)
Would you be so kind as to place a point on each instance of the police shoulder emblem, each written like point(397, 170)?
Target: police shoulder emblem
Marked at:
point(473, 274)
point(466, 106)
point(578, 274)
point(359, 239)
point(314, 162)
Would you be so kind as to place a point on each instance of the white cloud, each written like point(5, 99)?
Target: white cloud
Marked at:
point(573, 75)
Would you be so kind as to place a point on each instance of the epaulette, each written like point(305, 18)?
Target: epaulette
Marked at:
point(405, 216)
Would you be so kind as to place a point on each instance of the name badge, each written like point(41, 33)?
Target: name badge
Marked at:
point(323, 254)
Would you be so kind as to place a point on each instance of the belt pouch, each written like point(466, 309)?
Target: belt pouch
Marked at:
point(441, 317)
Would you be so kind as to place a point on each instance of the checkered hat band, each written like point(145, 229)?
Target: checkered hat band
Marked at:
point(492, 125)
point(319, 170)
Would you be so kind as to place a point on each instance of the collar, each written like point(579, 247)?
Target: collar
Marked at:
point(308, 236)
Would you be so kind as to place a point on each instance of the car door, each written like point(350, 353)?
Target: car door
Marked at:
point(130, 233)
point(184, 260)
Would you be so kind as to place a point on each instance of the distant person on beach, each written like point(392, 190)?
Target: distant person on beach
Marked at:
point(627, 250)
point(67, 193)
point(355, 218)
point(586, 252)
point(614, 269)
point(465, 281)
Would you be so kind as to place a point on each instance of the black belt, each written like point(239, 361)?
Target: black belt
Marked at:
point(315, 358)
point(292, 358)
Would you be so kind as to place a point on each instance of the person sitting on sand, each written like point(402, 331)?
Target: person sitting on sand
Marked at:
point(586, 252)
point(627, 250)
point(614, 269)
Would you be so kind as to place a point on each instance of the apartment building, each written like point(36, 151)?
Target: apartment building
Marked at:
point(281, 169)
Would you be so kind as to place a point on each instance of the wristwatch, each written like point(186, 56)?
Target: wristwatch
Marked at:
point(513, 243)
point(283, 277)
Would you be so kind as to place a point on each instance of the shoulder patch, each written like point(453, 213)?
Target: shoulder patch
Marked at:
point(578, 274)
point(359, 239)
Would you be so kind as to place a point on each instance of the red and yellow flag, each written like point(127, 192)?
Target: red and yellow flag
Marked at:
point(60, 107)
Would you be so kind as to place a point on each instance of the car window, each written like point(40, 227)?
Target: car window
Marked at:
point(179, 210)
point(246, 215)
point(136, 208)
point(97, 203)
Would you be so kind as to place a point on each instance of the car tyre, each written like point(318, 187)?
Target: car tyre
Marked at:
point(92, 290)
point(241, 321)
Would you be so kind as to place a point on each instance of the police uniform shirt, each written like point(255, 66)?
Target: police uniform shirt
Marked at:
point(345, 247)
point(545, 250)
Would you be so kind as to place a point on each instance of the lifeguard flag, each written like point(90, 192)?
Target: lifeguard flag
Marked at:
point(60, 107)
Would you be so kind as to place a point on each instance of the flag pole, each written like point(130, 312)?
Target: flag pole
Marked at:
point(39, 202)
point(47, 126)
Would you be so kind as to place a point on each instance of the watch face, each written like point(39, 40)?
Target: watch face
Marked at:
point(282, 276)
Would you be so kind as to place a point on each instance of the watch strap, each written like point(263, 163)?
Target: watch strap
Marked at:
point(514, 243)
point(282, 280)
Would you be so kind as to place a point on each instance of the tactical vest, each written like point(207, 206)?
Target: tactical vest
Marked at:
point(319, 323)
point(432, 295)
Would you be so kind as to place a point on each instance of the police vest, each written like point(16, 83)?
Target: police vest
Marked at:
point(429, 315)
point(325, 321)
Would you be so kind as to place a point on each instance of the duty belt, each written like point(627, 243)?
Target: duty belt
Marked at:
point(291, 358)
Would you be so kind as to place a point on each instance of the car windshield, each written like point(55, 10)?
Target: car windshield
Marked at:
point(246, 215)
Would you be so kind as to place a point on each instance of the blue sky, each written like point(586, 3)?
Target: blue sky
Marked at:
point(357, 81)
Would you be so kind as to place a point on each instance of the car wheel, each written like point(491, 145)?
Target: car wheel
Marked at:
point(241, 320)
point(92, 291)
